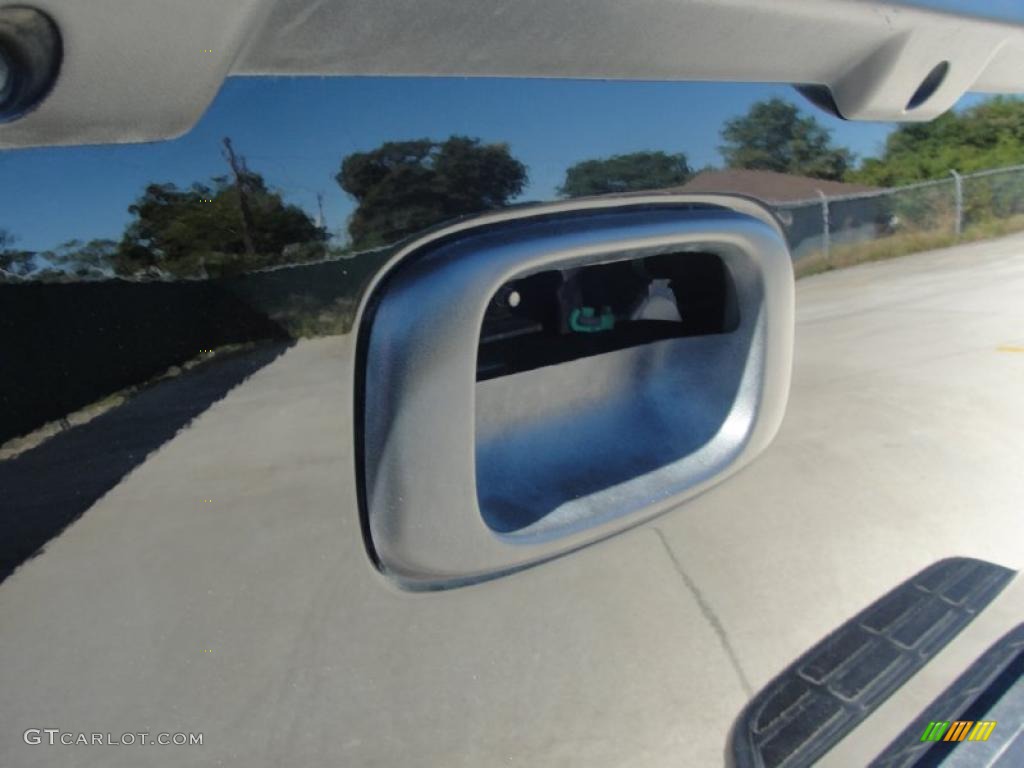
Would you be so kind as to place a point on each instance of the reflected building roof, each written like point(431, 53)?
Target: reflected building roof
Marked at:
point(769, 186)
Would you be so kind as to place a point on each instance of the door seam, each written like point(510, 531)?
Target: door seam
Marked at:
point(709, 614)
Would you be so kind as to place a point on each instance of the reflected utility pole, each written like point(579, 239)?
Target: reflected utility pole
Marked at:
point(241, 183)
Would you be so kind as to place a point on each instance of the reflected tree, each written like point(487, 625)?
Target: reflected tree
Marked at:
point(404, 187)
point(228, 225)
point(775, 136)
point(13, 263)
point(198, 231)
point(626, 173)
point(987, 135)
point(91, 260)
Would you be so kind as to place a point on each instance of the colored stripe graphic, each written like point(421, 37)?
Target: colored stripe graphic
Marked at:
point(959, 730)
point(982, 730)
point(934, 731)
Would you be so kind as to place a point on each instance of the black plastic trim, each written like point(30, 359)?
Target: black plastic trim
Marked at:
point(829, 690)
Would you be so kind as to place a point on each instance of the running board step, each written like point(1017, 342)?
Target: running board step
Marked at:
point(829, 690)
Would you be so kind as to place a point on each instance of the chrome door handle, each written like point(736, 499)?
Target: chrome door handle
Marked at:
point(467, 473)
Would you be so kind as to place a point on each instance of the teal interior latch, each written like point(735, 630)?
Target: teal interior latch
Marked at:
point(586, 320)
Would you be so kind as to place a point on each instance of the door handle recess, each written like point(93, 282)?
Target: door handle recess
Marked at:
point(531, 381)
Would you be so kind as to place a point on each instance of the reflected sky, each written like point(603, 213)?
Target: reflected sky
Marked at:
point(295, 132)
point(1010, 10)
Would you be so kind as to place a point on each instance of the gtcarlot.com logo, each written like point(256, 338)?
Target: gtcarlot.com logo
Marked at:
point(55, 736)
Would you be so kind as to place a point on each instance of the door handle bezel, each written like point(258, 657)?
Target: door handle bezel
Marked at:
point(418, 328)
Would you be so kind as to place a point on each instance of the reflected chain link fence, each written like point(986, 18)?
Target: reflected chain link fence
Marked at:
point(831, 232)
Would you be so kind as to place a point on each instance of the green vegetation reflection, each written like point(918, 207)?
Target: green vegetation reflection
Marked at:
point(235, 223)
